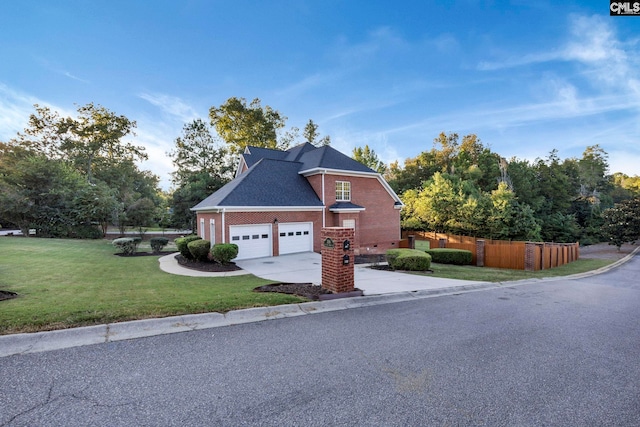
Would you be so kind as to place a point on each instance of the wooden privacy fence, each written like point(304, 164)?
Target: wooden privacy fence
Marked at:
point(531, 256)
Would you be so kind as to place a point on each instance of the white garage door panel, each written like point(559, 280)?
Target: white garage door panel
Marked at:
point(295, 237)
point(254, 241)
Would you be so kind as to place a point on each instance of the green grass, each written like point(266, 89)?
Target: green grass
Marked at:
point(485, 274)
point(69, 283)
point(423, 245)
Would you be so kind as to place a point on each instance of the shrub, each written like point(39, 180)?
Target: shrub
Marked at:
point(127, 245)
point(157, 243)
point(392, 254)
point(450, 256)
point(408, 259)
point(199, 249)
point(224, 252)
point(86, 231)
point(182, 242)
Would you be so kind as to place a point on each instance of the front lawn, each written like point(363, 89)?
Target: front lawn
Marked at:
point(69, 283)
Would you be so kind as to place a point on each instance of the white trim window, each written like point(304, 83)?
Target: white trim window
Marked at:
point(202, 235)
point(212, 231)
point(343, 191)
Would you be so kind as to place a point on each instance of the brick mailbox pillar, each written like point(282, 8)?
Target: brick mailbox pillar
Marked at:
point(480, 253)
point(338, 259)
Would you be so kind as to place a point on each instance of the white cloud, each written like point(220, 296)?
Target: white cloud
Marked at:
point(15, 109)
point(171, 105)
point(71, 76)
point(592, 42)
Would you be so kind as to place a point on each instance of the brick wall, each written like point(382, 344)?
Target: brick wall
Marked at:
point(378, 226)
point(247, 218)
point(336, 276)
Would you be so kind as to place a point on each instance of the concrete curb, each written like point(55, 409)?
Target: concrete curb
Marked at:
point(66, 338)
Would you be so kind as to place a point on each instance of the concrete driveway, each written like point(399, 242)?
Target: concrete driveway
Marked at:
point(306, 268)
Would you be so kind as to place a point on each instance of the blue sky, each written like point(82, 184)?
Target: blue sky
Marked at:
point(525, 76)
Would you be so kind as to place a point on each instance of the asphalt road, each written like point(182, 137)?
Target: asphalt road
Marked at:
point(562, 353)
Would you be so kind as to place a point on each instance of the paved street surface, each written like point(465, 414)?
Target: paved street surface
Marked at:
point(562, 353)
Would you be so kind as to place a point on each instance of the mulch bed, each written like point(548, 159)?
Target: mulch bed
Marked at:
point(370, 259)
point(138, 254)
point(211, 267)
point(7, 295)
point(307, 290)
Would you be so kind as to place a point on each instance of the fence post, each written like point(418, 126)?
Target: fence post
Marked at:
point(480, 253)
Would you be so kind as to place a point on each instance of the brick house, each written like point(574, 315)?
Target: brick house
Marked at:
point(279, 201)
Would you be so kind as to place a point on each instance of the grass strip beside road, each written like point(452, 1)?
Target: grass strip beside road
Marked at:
point(70, 283)
point(486, 274)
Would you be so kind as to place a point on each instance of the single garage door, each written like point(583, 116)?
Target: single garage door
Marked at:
point(254, 241)
point(295, 237)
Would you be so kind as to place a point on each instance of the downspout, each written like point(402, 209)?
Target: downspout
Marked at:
point(324, 206)
point(224, 229)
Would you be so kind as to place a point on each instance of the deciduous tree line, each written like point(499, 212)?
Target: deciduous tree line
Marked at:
point(64, 175)
point(463, 187)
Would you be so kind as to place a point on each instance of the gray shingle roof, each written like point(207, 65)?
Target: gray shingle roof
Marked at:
point(344, 205)
point(254, 154)
point(273, 178)
point(268, 182)
point(311, 157)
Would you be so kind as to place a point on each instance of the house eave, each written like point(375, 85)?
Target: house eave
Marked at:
point(315, 171)
point(346, 210)
point(216, 209)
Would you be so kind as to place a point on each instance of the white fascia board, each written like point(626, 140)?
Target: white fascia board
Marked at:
point(240, 164)
point(315, 171)
point(346, 210)
point(384, 183)
point(260, 209)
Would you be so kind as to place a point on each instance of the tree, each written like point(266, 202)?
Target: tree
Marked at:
point(44, 135)
point(202, 167)
point(92, 140)
point(189, 194)
point(240, 125)
point(369, 158)
point(95, 204)
point(311, 135)
point(141, 213)
point(198, 151)
point(90, 146)
point(593, 169)
point(415, 172)
point(440, 204)
point(40, 193)
point(96, 138)
point(508, 219)
point(622, 223)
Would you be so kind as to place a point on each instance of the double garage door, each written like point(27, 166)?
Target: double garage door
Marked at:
point(254, 241)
